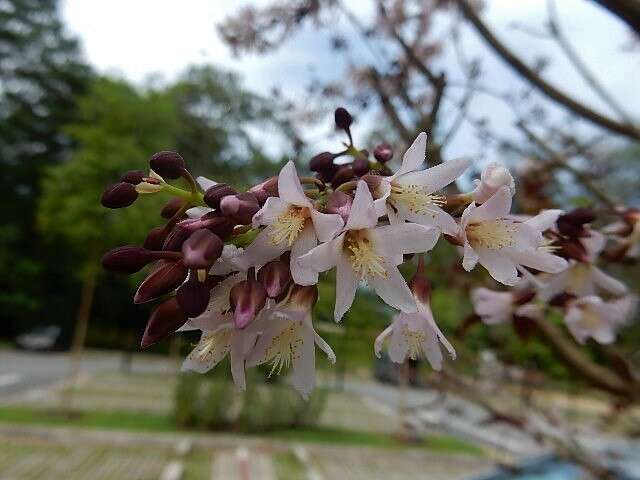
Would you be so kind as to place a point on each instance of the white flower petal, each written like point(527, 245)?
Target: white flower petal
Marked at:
point(435, 178)
point(437, 217)
point(593, 244)
point(393, 290)
point(538, 259)
point(404, 238)
point(236, 358)
point(414, 157)
point(289, 187)
point(544, 220)
point(205, 183)
point(499, 266)
point(261, 250)
point(346, 286)
point(207, 355)
point(607, 283)
point(470, 259)
point(363, 212)
point(324, 256)
point(305, 242)
point(377, 345)
point(327, 225)
point(498, 206)
point(303, 376)
point(197, 212)
point(270, 211)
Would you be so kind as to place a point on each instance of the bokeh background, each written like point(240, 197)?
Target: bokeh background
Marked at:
point(89, 89)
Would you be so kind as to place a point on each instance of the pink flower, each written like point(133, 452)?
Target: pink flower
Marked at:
point(495, 307)
point(364, 252)
point(493, 177)
point(592, 317)
point(293, 223)
point(503, 245)
point(410, 193)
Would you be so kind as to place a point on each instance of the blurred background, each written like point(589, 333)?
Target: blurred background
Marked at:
point(89, 89)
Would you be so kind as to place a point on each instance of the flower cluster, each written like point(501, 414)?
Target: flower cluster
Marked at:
point(243, 267)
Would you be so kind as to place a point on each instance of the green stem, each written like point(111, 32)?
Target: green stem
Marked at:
point(196, 198)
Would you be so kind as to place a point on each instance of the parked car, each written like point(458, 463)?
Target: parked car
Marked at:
point(41, 339)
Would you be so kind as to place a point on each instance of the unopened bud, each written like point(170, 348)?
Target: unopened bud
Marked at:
point(569, 228)
point(343, 118)
point(492, 178)
point(326, 176)
point(524, 326)
point(127, 259)
point(275, 277)
point(217, 192)
point(201, 249)
point(175, 239)
point(247, 298)
point(119, 195)
point(322, 161)
point(193, 297)
point(361, 165)
point(155, 238)
point(172, 207)
point(572, 249)
point(241, 207)
point(304, 297)
point(217, 223)
point(266, 189)
point(167, 164)
point(343, 175)
point(165, 319)
point(166, 277)
point(133, 177)
point(520, 297)
point(340, 203)
point(579, 216)
point(383, 153)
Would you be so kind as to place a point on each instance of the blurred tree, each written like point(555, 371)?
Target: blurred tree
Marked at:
point(41, 72)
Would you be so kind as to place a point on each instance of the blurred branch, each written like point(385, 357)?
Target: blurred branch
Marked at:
point(626, 10)
point(388, 107)
point(558, 34)
point(542, 85)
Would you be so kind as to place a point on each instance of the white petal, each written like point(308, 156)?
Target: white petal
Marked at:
point(437, 217)
point(607, 283)
point(270, 211)
point(261, 250)
point(346, 286)
point(327, 225)
point(435, 178)
point(303, 376)
point(324, 346)
point(197, 212)
point(499, 266)
point(363, 212)
point(404, 238)
point(305, 242)
point(382, 193)
point(236, 358)
point(393, 290)
point(593, 244)
point(204, 357)
point(414, 157)
point(431, 323)
point(324, 256)
point(398, 345)
point(470, 259)
point(272, 326)
point(205, 183)
point(544, 220)
point(289, 187)
point(497, 206)
point(377, 345)
point(540, 260)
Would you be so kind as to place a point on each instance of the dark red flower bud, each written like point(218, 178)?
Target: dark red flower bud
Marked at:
point(217, 223)
point(166, 277)
point(383, 153)
point(176, 238)
point(572, 249)
point(326, 176)
point(340, 203)
point(247, 298)
point(172, 207)
point(304, 297)
point(155, 238)
point(193, 297)
point(343, 118)
point(275, 277)
point(524, 327)
point(214, 194)
point(133, 177)
point(322, 161)
point(167, 164)
point(241, 207)
point(127, 259)
point(568, 228)
point(266, 189)
point(520, 297)
point(579, 216)
point(119, 195)
point(343, 175)
point(201, 249)
point(165, 319)
point(360, 165)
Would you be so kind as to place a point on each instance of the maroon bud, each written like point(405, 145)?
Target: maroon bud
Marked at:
point(326, 176)
point(520, 297)
point(322, 161)
point(343, 118)
point(241, 207)
point(579, 216)
point(201, 249)
point(167, 164)
point(217, 223)
point(374, 182)
point(176, 238)
point(172, 207)
point(524, 327)
point(360, 165)
point(155, 238)
point(127, 259)
point(383, 152)
point(166, 277)
point(133, 177)
point(340, 203)
point(119, 195)
point(572, 249)
point(343, 175)
point(275, 277)
point(214, 194)
point(568, 228)
point(193, 297)
point(266, 189)
point(247, 299)
point(164, 320)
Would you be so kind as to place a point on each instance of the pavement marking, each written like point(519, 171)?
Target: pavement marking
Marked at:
point(7, 379)
point(173, 471)
point(242, 460)
point(302, 454)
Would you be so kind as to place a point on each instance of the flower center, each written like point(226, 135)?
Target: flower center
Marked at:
point(579, 279)
point(414, 199)
point(219, 302)
point(590, 320)
point(213, 345)
point(284, 349)
point(494, 234)
point(289, 225)
point(414, 339)
point(364, 259)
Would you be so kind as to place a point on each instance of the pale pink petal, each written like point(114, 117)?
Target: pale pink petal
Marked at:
point(324, 346)
point(261, 250)
point(377, 345)
point(497, 206)
point(404, 238)
point(393, 289)
point(538, 259)
point(363, 212)
point(435, 178)
point(607, 283)
point(324, 256)
point(289, 187)
point(436, 217)
point(499, 266)
point(346, 286)
point(619, 311)
point(197, 212)
point(414, 157)
point(270, 211)
point(305, 242)
point(327, 225)
point(398, 345)
point(544, 220)
point(493, 307)
point(271, 327)
point(470, 259)
point(236, 358)
point(427, 314)
point(303, 376)
point(204, 357)
point(205, 183)
point(382, 194)
point(593, 244)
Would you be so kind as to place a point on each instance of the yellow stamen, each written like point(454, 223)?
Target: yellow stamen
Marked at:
point(289, 225)
point(284, 349)
point(213, 345)
point(494, 234)
point(364, 259)
point(414, 198)
point(414, 339)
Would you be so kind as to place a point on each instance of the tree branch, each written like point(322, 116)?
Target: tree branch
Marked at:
point(626, 10)
point(388, 107)
point(542, 85)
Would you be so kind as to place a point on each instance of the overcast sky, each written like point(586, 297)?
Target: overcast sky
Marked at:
point(137, 39)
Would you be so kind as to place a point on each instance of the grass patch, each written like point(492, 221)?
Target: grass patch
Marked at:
point(288, 467)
